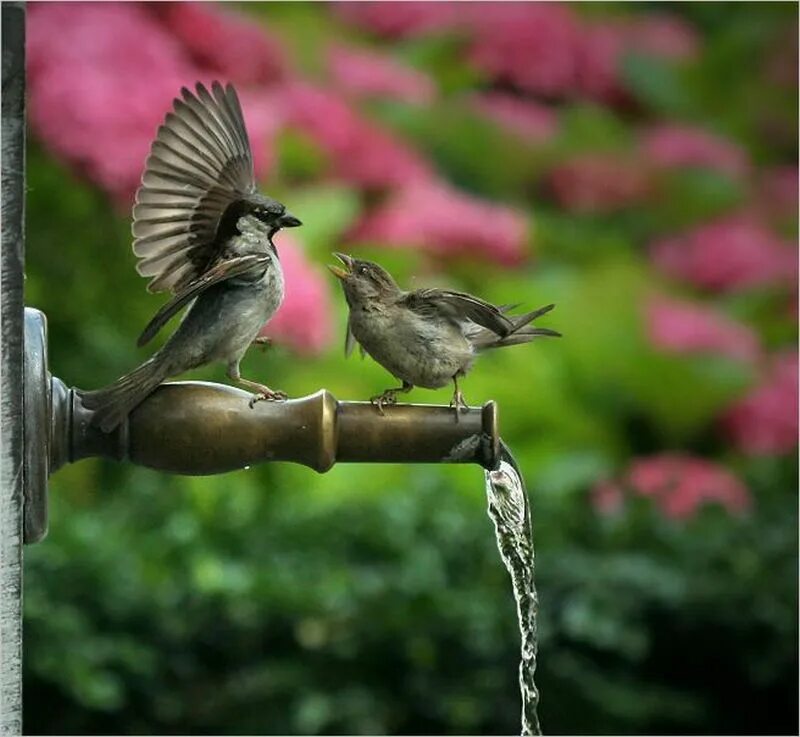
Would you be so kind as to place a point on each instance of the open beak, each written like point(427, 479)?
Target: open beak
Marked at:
point(338, 271)
point(288, 221)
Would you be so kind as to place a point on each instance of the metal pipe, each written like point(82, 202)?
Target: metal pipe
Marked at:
point(199, 428)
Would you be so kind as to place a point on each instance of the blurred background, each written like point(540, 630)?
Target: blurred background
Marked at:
point(636, 164)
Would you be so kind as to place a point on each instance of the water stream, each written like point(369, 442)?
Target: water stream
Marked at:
point(509, 510)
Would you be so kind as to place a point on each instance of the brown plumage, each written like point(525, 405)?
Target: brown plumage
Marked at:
point(426, 337)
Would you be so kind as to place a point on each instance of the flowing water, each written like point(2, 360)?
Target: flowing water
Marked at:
point(509, 509)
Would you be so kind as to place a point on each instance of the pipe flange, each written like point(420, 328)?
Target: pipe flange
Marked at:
point(36, 402)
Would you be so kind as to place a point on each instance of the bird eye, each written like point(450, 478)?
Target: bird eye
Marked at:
point(362, 269)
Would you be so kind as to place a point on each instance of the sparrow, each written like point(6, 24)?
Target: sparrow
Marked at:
point(426, 337)
point(203, 232)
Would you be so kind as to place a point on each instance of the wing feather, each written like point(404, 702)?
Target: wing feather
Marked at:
point(199, 164)
point(459, 307)
point(227, 269)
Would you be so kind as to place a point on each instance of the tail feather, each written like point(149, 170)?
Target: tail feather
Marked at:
point(522, 332)
point(524, 336)
point(112, 404)
point(520, 321)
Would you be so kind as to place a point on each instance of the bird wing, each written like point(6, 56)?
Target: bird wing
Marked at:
point(458, 307)
point(349, 340)
point(199, 164)
point(221, 271)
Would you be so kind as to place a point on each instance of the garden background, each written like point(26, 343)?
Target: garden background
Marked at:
point(636, 164)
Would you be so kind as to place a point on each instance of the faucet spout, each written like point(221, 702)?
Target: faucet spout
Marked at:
point(199, 428)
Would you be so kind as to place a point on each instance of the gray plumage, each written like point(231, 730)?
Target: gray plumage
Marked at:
point(203, 232)
point(427, 337)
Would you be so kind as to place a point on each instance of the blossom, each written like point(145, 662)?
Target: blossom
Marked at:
point(444, 221)
point(733, 252)
point(674, 146)
point(530, 121)
point(367, 74)
point(221, 42)
point(664, 36)
point(598, 183)
point(303, 321)
point(360, 151)
point(598, 62)
point(765, 421)
point(678, 484)
point(92, 105)
point(399, 19)
point(680, 327)
point(532, 46)
point(602, 46)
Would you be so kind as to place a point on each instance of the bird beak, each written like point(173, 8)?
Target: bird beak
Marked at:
point(338, 271)
point(288, 221)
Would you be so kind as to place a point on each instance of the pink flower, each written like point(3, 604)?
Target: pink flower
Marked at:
point(598, 183)
point(671, 146)
point(765, 421)
point(367, 74)
point(598, 62)
point(530, 121)
point(222, 42)
point(102, 77)
point(360, 152)
point(602, 46)
point(399, 19)
point(264, 119)
point(529, 45)
point(663, 36)
point(681, 327)
point(443, 221)
point(679, 485)
point(731, 253)
point(95, 97)
point(303, 321)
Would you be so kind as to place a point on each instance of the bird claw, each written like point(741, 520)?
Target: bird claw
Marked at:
point(459, 403)
point(269, 395)
point(386, 398)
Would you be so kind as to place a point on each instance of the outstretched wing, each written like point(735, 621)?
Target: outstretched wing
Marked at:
point(221, 271)
point(199, 164)
point(458, 307)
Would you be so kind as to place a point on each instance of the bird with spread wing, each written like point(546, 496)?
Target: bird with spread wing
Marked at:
point(203, 232)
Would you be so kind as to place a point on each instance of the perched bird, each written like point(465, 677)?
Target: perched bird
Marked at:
point(427, 337)
point(202, 231)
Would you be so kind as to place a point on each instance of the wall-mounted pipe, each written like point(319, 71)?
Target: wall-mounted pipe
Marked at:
point(199, 428)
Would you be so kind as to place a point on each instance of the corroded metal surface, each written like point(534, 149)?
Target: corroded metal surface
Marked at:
point(198, 428)
point(11, 407)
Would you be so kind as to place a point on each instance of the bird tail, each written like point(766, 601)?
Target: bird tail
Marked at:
point(112, 404)
point(521, 332)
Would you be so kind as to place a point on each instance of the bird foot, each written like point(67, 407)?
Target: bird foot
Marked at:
point(459, 403)
point(384, 399)
point(267, 395)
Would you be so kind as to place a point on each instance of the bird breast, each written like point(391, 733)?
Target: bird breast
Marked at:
point(421, 351)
